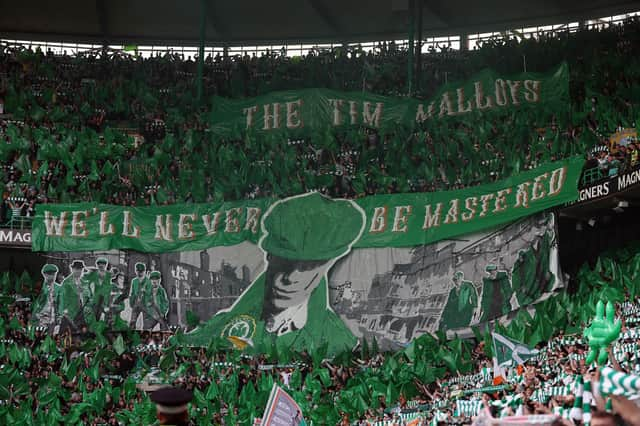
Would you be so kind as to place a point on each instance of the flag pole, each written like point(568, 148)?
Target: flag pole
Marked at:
point(203, 31)
point(412, 7)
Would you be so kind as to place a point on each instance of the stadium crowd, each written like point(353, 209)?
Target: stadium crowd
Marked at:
point(110, 127)
point(103, 377)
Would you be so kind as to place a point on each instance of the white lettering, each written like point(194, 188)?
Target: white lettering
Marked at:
point(271, 120)
point(163, 230)
point(532, 90)
point(232, 223)
point(522, 195)
point(293, 114)
point(484, 199)
point(452, 214)
point(501, 200)
point(353, 112)
point(462, 106)
point(128, 230)
point(556, 181)
point(482, 102)
point(594, 191)
point(337, 113)
point(514, 86)
point(253, 219)
point(379, 220)
point(421, 115)
point(446, 105)
point(54, 226)
point(372, 119)
point(629, 179)
point(106, 228)
point(79, 226)
point(470, 204)
point(185, 227)
point(250, 113)
point(209, 225)
point(501, 92)
point(400, 218)
point(538, 191)
point(432, 220)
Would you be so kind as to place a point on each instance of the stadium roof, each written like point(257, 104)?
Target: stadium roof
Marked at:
point(245, 22)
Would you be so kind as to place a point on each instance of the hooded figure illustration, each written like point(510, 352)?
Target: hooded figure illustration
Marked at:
point(496, 294)
point(461, 304)
point(303, 237)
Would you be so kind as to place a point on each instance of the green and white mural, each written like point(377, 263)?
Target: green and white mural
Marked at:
point(304, 283)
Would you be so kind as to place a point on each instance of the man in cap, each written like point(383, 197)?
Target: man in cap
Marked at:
point(155, 302)
point(73, 298)
point(172, 406)
point(99, 280)
point(496, 294)
point(119, 294)
point(44, 307)
point(135, 296)
point(303, 237)
point(461, 304)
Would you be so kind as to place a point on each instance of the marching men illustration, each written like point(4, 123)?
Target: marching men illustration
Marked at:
point(73, 299)
point(99, 294)
point(135, 296)
point(99, 280)
point(155, 303)
point(44, 308)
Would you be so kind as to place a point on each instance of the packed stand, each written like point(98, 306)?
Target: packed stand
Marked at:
point(607, 161)
point(109, 127)
point(98, 376)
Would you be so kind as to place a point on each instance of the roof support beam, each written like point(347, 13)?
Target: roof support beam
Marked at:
point(436, 9)
point(419, 13)
point(103, 21)
point(214, 22)
point(203, 34)
point(323, 12)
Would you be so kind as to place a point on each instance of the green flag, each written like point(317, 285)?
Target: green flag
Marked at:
point(506, 350)
point(118, 345)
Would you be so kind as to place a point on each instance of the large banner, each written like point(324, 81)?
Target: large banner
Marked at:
point(300, 111)
point(396, 220)
point(307, 289)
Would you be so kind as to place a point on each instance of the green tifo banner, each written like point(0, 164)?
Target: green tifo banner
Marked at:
point(266, 296)
point(300, 111)
point(398, 220)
